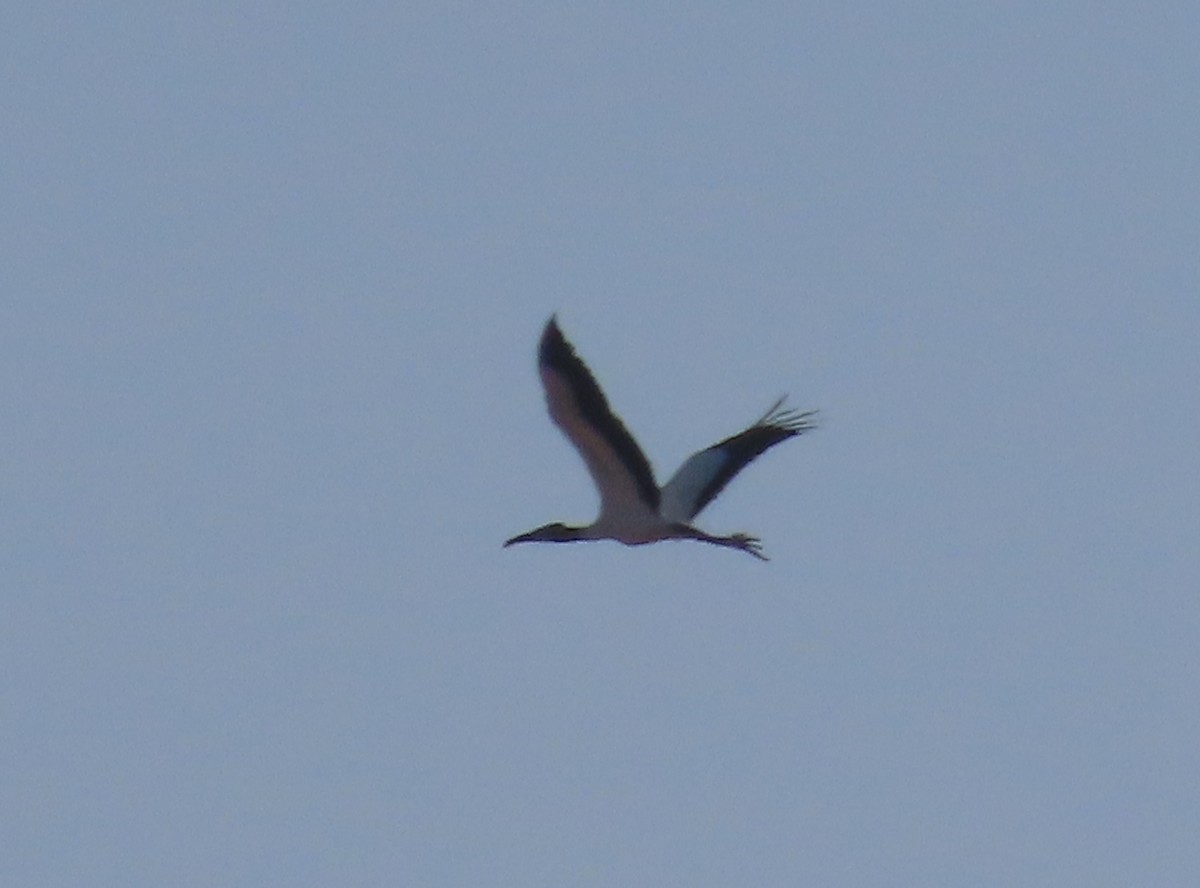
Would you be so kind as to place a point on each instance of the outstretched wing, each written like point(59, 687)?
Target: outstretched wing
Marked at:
point(705, 474)
point(578, 407)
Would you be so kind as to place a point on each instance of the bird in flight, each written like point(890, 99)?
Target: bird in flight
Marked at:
point(633, 508)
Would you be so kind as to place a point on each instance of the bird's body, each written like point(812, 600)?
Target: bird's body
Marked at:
point(633, 509)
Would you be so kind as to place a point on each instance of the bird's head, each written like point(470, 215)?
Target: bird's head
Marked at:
point(547, 533)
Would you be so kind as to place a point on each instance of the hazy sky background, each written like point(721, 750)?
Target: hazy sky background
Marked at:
point(273, 277)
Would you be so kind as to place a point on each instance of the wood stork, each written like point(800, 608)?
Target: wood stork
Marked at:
point(633, 509)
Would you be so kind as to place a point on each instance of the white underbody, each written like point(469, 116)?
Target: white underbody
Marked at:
point(633, 527)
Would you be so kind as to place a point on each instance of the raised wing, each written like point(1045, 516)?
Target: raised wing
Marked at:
point(705, 474)
point(578, 407)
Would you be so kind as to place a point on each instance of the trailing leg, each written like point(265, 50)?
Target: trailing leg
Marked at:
point(745, 542)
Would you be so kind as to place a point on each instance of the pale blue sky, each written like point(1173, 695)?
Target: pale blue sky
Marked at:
point(274, 281)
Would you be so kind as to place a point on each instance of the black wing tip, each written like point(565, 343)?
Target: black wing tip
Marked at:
point(554, 350)
point(788, 419)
